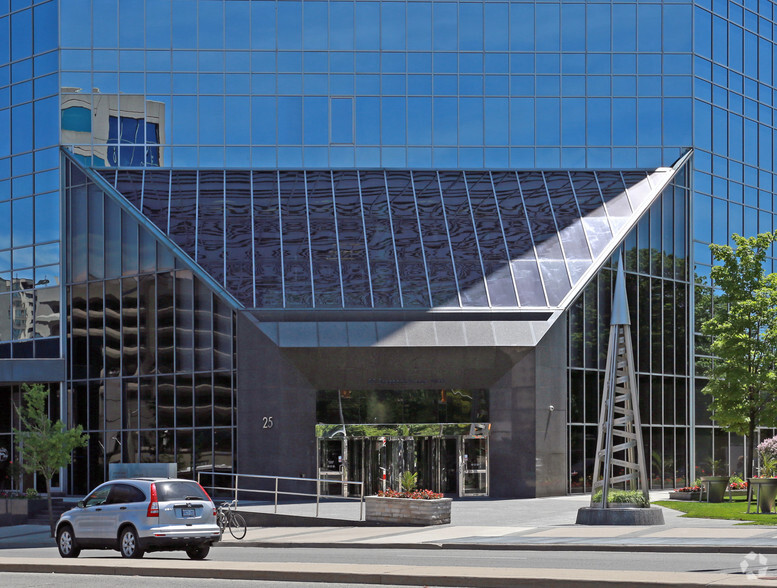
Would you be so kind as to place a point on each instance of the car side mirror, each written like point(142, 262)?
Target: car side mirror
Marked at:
point(80, 504)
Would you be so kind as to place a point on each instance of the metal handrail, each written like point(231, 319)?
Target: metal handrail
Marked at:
point(277, 492)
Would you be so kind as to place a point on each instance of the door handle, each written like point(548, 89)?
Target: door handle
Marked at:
point(97, 509)
point(122, 508)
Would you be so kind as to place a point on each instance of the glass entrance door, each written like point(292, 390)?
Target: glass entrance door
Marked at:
point(473, 466)
point(332, 465)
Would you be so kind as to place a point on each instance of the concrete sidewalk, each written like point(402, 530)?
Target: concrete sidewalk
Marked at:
point(541, 523)
point(482, 524)
point(491, 577)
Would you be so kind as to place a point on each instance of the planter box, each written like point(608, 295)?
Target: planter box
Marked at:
point(408, 511)
point(15, 511)
point(694, 496)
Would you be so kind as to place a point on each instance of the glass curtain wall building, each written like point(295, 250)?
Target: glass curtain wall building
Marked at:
point(280, 205)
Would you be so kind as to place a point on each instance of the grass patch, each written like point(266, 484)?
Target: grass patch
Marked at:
point(731, 511)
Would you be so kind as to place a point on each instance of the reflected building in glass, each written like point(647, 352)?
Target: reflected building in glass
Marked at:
point(328, 239)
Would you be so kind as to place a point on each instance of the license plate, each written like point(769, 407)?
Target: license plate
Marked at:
point(187, 512)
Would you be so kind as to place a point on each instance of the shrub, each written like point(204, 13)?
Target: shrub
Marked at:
point(634, 497)
point(409, 481)
point(31, 493)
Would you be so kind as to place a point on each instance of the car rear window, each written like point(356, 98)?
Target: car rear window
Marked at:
point(167, 491)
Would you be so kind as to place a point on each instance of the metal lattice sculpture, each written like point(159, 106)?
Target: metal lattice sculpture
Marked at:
point(619, 441)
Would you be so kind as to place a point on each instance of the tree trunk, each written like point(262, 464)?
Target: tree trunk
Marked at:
point(48, 502)
point(749, 452)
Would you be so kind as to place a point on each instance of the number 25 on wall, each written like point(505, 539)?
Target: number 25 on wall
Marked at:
point(267, 423)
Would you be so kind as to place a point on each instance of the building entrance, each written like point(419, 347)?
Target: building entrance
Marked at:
point(373, 436)
point(451, 464)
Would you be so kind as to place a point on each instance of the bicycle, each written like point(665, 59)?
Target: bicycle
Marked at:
point(229, 518)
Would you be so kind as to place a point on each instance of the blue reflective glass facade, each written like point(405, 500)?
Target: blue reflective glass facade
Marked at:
point(401, 155)
point(392, 84)
point(30, 289)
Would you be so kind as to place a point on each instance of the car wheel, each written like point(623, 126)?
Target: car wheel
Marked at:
point(129, 544)
point(66, 542)
point(198, 551)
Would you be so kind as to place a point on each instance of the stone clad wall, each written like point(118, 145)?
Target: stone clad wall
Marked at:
point(408, 511)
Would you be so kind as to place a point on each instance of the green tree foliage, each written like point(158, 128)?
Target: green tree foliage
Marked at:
point(743, 327)
point(45, 446)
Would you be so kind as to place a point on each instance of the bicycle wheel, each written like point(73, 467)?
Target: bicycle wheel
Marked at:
point(237, 526)
point(221, 520)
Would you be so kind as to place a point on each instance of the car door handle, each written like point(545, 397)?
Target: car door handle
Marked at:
point(97, 509)
point(122, 508)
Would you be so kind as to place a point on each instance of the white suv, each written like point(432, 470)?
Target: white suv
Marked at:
point(139, 515)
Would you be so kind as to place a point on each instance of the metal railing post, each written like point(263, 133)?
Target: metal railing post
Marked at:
point(237, 485)
point(361, 505)
point(276, 494)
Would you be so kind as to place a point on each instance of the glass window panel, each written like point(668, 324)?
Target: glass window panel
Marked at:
point(464, 243)
point(570, 227)
point(129, 326)
point(380, 241)
point(47, 309)
point(165, 330)
point(203, 328)
point(351, 240)
point(22, 221)
point(436, 247)
point(147, 324)
point(210, 225)
point(158, 27)
point(184, 457)
point(496, 264)
point(184, 321)
point(46, 217)
point(112, 327)
point(183, 210)
point(96, 237)
point(6, 320)
point(165, 410)
point(129, 251)
point(156, 194)
point(296, 242)
point(21, 40)
point(323, 247)
point(595, 221)
point(615, 198)
point(78, 331)
point(223, 330)
point(222, 399)
point(95, 330)
point(239, 252)
point(184, 401)
point(409, 251)
point(5, 225)
point(519, 240)
point(78, 233)
point(113, 241)
point(203, 443)
point(203, 400)
point(269, 268)
point(544, 233)
point(112, 411)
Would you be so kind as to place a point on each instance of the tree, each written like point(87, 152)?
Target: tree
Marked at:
point(45, 447)
point(743, 326)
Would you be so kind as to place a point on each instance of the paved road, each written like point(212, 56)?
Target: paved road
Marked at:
point(19, 580)
point(726, 563)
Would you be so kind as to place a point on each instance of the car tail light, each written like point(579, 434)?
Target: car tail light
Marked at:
point(215, 512)
point(153, 505)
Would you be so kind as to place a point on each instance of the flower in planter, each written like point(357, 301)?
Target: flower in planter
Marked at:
point(689, 489)
point(415, 494)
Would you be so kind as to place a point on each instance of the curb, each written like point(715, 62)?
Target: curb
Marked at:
point(382, 574)
point(611, 547)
